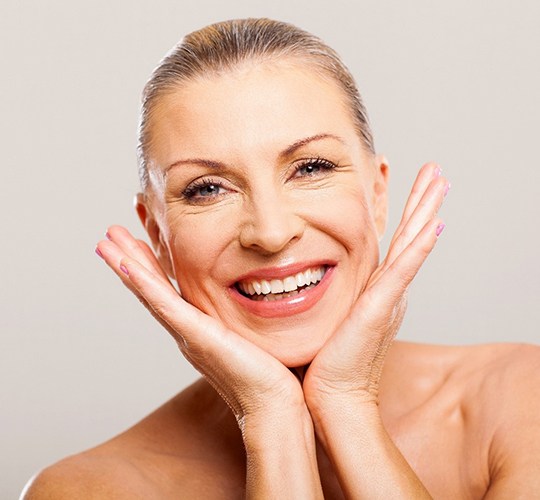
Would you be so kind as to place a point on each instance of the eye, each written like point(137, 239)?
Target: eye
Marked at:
point(203, 190)
point(313, 167)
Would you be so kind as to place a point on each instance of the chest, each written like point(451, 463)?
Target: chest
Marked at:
point(445, 444)
point(440, 441)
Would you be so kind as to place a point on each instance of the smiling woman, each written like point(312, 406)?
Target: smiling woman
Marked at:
point(264, 200)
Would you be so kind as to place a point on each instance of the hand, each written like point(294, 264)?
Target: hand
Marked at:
point(350, 364)
point(250, 381)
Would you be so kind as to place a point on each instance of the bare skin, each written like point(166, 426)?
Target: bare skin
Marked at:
point(444, 407)
point(237, 199)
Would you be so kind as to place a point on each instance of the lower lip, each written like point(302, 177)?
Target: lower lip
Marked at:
point(288, 306)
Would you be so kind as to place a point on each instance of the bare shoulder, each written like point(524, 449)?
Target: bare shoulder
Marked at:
point(169, 454)
point(484, 363)
point(87, 476)
point(509, 396)
point(495, 390)
point(507, 376)
point(495, 386)
point(501, 376)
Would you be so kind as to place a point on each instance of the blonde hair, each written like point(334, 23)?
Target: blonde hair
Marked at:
point(222, 46)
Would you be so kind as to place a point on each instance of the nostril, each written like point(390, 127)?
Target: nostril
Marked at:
point(271, 235)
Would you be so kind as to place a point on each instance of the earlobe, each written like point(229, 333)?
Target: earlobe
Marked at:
point(154, 233)
point(380, 193)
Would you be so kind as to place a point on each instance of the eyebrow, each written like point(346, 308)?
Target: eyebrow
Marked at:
point(289, 150)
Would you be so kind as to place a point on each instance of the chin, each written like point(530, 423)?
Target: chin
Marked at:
point(293, 348)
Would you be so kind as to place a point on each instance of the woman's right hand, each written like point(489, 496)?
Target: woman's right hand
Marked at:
point(251, 381)
point(265, 397)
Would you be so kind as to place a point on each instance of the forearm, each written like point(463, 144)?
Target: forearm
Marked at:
point(281, 457)
point(366, 461)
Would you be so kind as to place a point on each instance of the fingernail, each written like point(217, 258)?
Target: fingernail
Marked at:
point(439, 229)
point(437, 172)
point(99, 252)
point(108, 236)
point(447, 188)
point(124, 269)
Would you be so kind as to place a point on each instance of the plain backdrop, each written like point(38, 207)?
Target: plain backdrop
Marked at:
point(80, 359)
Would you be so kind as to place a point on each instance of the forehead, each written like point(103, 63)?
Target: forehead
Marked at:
point(252, 110)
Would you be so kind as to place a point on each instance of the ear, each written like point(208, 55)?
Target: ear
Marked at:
point(380, 194)
point(148, 220)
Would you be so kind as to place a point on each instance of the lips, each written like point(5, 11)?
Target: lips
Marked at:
point(278, 289)
point(283, 291)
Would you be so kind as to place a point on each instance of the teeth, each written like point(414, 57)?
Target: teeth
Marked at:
point(265, 287)
point(288, 286)
point(277, 286)
point(271, 297)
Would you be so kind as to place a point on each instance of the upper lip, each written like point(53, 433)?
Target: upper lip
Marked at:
point(280, 272)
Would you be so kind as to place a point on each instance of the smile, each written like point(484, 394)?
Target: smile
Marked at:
point(283, 291)
point(279, 289)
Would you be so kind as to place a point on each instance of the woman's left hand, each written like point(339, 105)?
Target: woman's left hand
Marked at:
point(351, 362)
point(341, 385)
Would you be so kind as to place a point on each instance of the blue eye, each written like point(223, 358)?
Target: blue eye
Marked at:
point(209, 190)
point(309, 169)
point(313, 167)
point(203, 189)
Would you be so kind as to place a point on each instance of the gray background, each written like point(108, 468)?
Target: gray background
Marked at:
point(81, 360)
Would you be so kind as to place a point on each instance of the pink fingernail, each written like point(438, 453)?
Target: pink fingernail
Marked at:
point(439, 229)
point(108, 236)
point(437, 172)
point(447, 188)
point(99, 252)
point(124, 269)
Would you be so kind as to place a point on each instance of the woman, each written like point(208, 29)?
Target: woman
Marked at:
point(264, 199)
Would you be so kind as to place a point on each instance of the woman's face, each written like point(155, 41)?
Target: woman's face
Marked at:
point(259, 184)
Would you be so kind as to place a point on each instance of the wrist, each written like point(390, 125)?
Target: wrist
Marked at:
point(273, 425)
point(326, 403)
point(337, 414)
point(281, 455)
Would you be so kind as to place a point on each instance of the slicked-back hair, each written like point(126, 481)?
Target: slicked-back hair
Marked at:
point(224, 46)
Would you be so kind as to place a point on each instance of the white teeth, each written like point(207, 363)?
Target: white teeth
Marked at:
point(277, 286)
point(265, 287)
point(289, 285)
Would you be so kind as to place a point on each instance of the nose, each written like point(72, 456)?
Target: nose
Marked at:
point(270, 224)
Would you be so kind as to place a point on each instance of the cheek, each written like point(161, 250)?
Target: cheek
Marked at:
point(347, 217)
point(196, 246)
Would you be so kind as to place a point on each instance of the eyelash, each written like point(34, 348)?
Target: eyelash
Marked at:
point(323, 164)
point(190, 193)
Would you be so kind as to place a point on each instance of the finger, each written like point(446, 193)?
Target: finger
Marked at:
point(189, 326)
point(395, 280)
point(424, 178)
point(425, 210)
point(152, 259)
point(135, 249)
point(112, 256)
point(200, 335)
point(219, 354)
point(182, 320)
point(244, 375)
